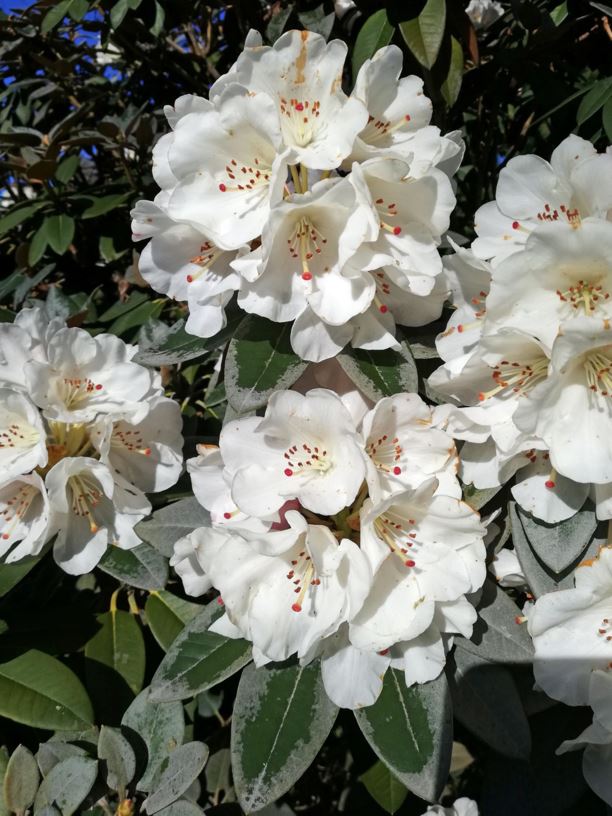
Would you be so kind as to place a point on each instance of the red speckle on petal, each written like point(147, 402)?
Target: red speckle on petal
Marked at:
point(549, 484)
point(297, 607)
point(222, 187)
point(397, 230)
point(397, 470)
point(288, 472)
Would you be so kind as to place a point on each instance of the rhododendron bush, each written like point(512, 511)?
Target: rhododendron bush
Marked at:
point(306, 409)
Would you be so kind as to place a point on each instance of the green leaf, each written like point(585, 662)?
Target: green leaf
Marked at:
point(120, 759)
point(184, 766)
point(423, 34)
point(452, 84)
point(12, 574)
point(487, 703)
point(118, 12)
point(594, 100)
point(167, 616)
point(67, 168)
point(381, 373)
point(4, 758)
point(17, 214)
point(158, 23)
point(54, 16)
point(60, 232)
point(122, 307)
point(198, 659)
point(560, 545)
point(317, 20)
point(387, 791)
point(282, 716)
point(142, 567)
point(259, 361)
point(375, 33)
point(120, 646)
point(497, 636)
point(21, 780)
point(479, 498)
point(52, 752)
point(559, 13)
point(161, 726)
point(178, 346)
point(104, 204)
point(171, 523)
point(38, 244)
point(67, 784)
point(182, 807)
point(607, 119)
point(38, 690)
point(417, 749)
point(137, 317)
point(78, 9)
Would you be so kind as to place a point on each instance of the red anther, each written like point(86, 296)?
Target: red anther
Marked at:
point(288, 472)
point(460, 328)
point(297, 607)
point(481, 397)
point(407, 117)
point(397, 230)
point(227, 515)
point(383, 309)
point(299, 107)
point(307, 276)
point(189, 278)
point(549, 484)
point(222, 187)
point(220, 601)
point(410, 563)
point(515, 225)
point(397, 470)
point(98, 387)
point(147, 451)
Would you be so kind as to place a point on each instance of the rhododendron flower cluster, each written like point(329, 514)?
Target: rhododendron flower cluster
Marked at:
point(529, 347)
point(317, 208)
point(84, 433)
point(340, 534)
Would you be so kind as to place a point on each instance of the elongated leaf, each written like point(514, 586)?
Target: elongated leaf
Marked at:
point(54, 751)
point(54, 16)
point(198, 659)
point(67, 784)
point(423, 34)
point(38, 244)
point(161, 727)
point(142, 567)
point(12, 574)
point(38, 690)
point(417, 750)
point(120, 646)
point(452, 84)
point(386, 790)
point(282, 717)
point(21, 780)
point(178, 346)
point(381, 373)
point(499, 635)
point(184, 766)
point(594, 100)
point(17, 214)
point(119, 756)
point(172, 522)
point(487, 703)
point(60, 232)
point(105, 204)
point(375, 33)
point(607, 119)
point(4, 758)
point(559, 545)
point(259, 361)
point(167, 616)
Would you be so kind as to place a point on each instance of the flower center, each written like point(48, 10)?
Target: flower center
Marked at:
point(15, 509)
point(584, 295)
point(385, 453)
point(377, 130)
point(598, 369)
point(399, 534)
point(549, 214)
point(65, 439)
point(298, 117)
point(304, 243)
point(516, 378)
point(18, 434)
point(86, 496)
point(243, 178)
point(305, 458)
point(302, 576)
point(385, 212)
point(208, 255)
point(77, 389)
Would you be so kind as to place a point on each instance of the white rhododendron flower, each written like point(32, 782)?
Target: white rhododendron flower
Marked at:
point(338, 532)
point(572, 632)
point(316, 208)
point(84, 433)
point(460, 807)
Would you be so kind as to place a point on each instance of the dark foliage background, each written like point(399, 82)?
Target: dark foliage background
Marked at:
point(84, 84)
